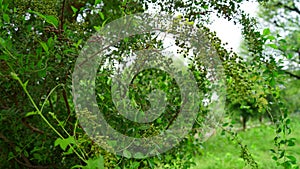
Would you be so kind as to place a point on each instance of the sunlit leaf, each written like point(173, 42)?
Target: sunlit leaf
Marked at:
point(63, 143)
point(48, 18)
point(52, 20)
point(274, 46)
point(266, 31)
point(6, 18)
point(97, 163)
point(45, 47)
point(101, 15)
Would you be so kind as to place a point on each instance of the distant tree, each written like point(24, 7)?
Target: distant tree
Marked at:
point(284, 18)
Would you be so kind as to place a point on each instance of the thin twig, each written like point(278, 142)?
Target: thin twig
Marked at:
point(62, 17)
point(64, 93)
point(34, 129)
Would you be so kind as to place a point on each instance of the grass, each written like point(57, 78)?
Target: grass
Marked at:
point(221, 153)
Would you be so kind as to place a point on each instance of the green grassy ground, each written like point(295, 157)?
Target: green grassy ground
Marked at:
point(220, 153)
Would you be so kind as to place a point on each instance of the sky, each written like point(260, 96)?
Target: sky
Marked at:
point(227, 31)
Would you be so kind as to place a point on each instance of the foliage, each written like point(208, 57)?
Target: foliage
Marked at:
point(39, 44)
point(283, 17)
point(291, 95)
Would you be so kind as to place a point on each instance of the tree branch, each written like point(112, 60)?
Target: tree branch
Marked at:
point(34, 129)
point(32, 166)
point(293, 8)
point(292, 75)
point(65, 97)
point(62, 17)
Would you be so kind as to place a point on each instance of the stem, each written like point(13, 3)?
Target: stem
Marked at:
point(50, 93)
point(43, 117)
point(37, 109)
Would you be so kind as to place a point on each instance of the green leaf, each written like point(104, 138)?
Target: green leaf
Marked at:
point(37, 156)
point(45, 47)
point(271, 38)
point(245, 107)
point(2, 42)
point(14, 75)
point(25, 153)
point(126, 39)
point(97, 28)
point(205, 7)
point(159, 121)
point(287, 165)
point(144, 127)
point(101, 15)
point(124, 2)
point(50, 42)
point(281, 154)
point(18, 149)
point(272, 82)
point(225, 124)
point(97, 2)
point(282, 41)
point(292, 158)
point(272, 150)
point(5, 7)
point(126, 154)
point(290, 56)
point(11, 155)
point(6, 18)
point(97, 163)
point(4, 57)
point(266, 31)
point(48, 18)
point(63, 143)
point(31, 113)
point(284, 47)
point(52, 20)
point(52, 115)
point(290, 143)
point(78, 43)
point(112, 143)
point(139, 155)
point(58, 57)
point(274, 46)
point(108, 81)
point(105, 22)
point(42, 73)
point(37, 13)
point(135, 165)
point(70, 151)
point(74, 10)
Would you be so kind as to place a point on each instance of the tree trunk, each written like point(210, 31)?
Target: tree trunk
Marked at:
point(244, 121)
point(261, 118)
